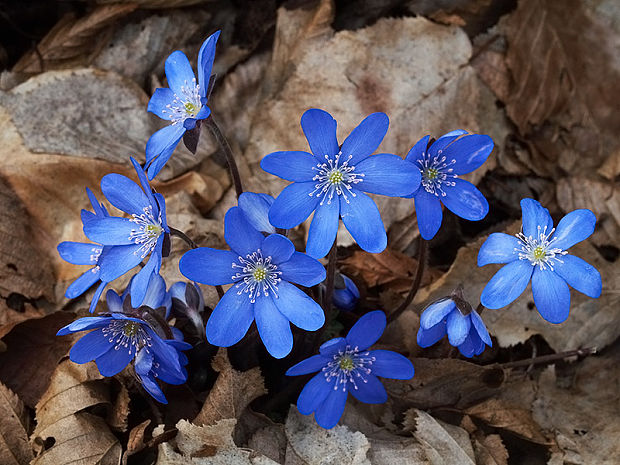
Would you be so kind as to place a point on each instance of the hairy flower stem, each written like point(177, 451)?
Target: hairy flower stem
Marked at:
point(232, 165)
point(480, 308)
point(329, 281)
point(422, 257)
point(550, 358)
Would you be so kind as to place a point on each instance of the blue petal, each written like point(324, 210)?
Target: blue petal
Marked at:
point(388, 174)
point(163, 139)
point(428, 337)
point(390, 364)
point(208, 266)
point(230, 319)
point(150, 385)
point(436, 312)
point(323, 228)
point(143, 362)
point(320, 130)
point(333, 346)
point(81, 284)
point(499, 248)
point(551, 295)
point(507, 284)
point(465, 200)
point(480, 328)
point(161, 203)
point(535, 217)
point(368, 390)
point(417, 151)
point(470, 152)
point(309, 365)
point(79, 253)
point(300, 309)
point(364, 140)
point(110, 230)
point(97, 207)
point(146, 187)
point(292, 166)
point(436, 149)
point(331, 409)
point(179, 73)
point(206, 55)
point(273, 327)
point(124, 194)
point(114, 302)
point(82, 324)
point(242, 238)
point(293, 205)
point(278, 247)
point(575, 227)
point(119, 260)
point(155, 292)
point(256, 210)
point(114, 360)
point(90, 346)
point(96, 296)
point(362, 219)
point(158, 162)
point(159, 102)
point(580, 274)
point(141, 280)
point(313, 394)
point(367, 330)
point(471, 345)
point(429, 214)
point(457, 326)
point(169, 367)
point(302, 269)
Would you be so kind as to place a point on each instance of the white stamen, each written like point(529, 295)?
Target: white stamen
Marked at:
point(539, 250)
point(127, 334)
point(257, 275)
point(436, 173)
point(334, 177)
point(186, 105)
point(148, 231)
point(349, 366)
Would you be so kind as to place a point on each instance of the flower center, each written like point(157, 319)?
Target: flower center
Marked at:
point(127, 334)
point(436, 173)
point(539, 250)
point(335, 178)
point(257, 275)
point(349, 366)
point(147, 232)
point(186, 105)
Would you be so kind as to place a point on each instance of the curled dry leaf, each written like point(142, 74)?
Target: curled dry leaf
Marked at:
point(78, 435)
point(14, 446)
point(232, 392)
point(73, 41)
point(490, 450)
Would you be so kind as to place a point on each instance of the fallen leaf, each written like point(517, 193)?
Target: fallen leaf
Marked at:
point(72, 41)
point(136, 442)
point(14, 446)
point(118, 415)
point(232, 392)
point(490, 450)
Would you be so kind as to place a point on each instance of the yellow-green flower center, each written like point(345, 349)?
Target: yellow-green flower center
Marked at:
point(153, 230)
point(131, 329)
point(539, 253)
point(432, 173)
point(259, 274)
point(191, 108)
point(336, 177)
point(346, 363)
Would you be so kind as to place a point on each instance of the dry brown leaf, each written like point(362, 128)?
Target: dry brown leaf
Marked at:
point(232, 392)
point(136, 442)
point(566, 76)
point(156, 3)
point(14, 446)
point(490, 450)
point(32, 353)
point(446, 382)
point(72, 41)
point(118, 415)
point(509, 417)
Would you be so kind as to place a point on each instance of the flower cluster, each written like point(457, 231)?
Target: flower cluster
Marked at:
point(271, 284)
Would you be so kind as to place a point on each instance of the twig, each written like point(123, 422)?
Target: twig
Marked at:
point(422, 252)
point(182, 235)
point(232, 165)
point(550, 358)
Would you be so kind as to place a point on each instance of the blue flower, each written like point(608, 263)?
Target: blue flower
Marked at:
point(131, 240)
point(346, 365)
point(184, 102)
point(189, 294)
point(440, 166)
point(256, 209)
point(346, 297)
point(155, 297)
point(467, 332)
point(539, 252)
point(82, 253)
point(331, 181)
point(262, 269)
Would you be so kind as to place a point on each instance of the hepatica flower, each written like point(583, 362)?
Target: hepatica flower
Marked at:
point(256, 209)
point(440, 166)
point(81, 253)
point(466, 332)
point(131, 240)
point(345, 365)
point(183, 103)
point(331, 181)
point(539, 253)
point(346, 295)
point(261, 270)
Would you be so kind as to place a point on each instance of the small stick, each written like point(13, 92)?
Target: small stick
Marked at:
point(223, 142)
point(550, 358)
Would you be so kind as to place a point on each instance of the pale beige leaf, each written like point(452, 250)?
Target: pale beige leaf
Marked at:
point(490, 450)
point(232, 392)
point(14, 446)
